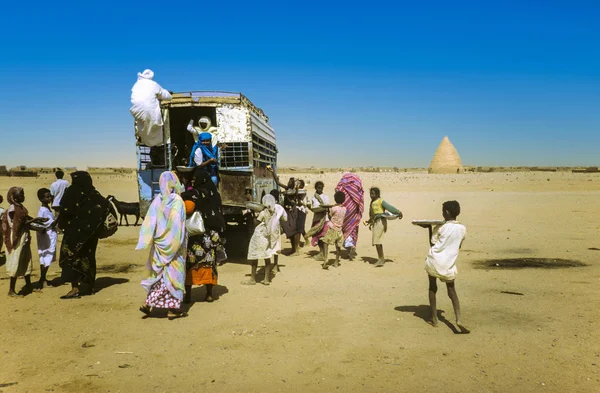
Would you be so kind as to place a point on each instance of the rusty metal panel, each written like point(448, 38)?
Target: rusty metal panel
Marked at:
point(233, 187)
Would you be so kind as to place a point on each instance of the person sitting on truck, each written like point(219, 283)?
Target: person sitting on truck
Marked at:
point(204, 156)
point(146, 95)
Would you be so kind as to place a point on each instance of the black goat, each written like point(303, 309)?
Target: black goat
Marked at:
point(126, 208)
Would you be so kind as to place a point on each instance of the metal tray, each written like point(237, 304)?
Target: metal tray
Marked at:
point(428, 222)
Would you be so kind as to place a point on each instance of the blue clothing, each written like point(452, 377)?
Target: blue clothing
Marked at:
point(208, 152)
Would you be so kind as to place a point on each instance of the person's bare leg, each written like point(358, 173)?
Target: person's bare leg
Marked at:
point(325, 252)
point(268, 267)
point(456, 305)
point(380, 256)
point(188, 294)
point(209, 288)
point(293, 243)
point(352, 253)
point(252, 280)
point(11, 290)
point(28, 286)
point(43, 273)
point(338, 251)
point(295, 240)
point(432, 300)
point(276, 268)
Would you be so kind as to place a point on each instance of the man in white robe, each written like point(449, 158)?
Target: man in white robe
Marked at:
point(145, 99)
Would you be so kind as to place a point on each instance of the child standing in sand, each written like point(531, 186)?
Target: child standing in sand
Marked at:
point(334, 234)
point(319, 206)
point(377, 223)
point(266, 240)
point(445, 241)
point(46, 238)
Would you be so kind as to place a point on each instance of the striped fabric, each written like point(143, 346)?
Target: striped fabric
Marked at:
point(163, 231)
point(351, 185)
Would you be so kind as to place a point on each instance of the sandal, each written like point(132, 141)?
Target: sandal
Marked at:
point(172, 315)
point(146, 310)
point(70, 295)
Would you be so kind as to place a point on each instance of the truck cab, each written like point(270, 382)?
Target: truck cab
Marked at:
point(239, 124)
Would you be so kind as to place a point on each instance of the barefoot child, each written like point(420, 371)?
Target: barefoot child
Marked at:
point(377, 223)
point(46, 238)
point(280, 212)
point(334, 234)
point(445, 241)
point(15, 228)
point(319, 223)
point(294, 208)
point(266, 240)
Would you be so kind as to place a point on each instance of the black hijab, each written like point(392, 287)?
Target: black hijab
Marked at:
point(209, 203)
point(82, 211)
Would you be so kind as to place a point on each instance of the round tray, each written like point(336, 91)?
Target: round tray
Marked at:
point(255, 206)
point(182, 168)
point(428, 222)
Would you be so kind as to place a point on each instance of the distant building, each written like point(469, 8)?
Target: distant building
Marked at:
point(23, 171)
point(446, 159)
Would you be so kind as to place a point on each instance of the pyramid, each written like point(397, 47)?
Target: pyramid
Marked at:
point(446, 159)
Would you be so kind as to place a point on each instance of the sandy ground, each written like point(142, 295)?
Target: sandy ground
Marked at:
point(356, 328)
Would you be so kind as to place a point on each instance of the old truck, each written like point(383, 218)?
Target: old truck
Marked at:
point(240, 125)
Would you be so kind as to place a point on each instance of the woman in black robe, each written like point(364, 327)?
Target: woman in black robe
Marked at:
point(82, 213)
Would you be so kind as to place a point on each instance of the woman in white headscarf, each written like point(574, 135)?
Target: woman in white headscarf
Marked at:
point(145, 108)
point(266, 240)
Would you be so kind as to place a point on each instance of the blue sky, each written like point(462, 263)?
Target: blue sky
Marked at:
point(344, 84)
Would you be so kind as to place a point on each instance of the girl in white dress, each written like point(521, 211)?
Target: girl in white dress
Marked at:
point(266, 240)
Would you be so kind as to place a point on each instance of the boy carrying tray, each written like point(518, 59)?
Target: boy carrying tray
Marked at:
point(445, 241)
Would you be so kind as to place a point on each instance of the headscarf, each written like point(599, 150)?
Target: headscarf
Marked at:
point(269, 202)
point(205, 119)
point(208, 152)
point(82, 211)
point(163, 230)
point(14, 225)
point(209, 203)
point(351, 186)
point(147, 74)
point(271, 218)
point(12, 194)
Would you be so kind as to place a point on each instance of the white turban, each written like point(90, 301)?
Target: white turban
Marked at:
point(205, 119)
point(147, 74)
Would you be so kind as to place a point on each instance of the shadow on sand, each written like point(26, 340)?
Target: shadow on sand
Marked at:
point(105, 282)
point(369, 260)
point(424, 312)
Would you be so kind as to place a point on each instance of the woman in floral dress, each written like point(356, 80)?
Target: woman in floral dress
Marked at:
point(206, 251)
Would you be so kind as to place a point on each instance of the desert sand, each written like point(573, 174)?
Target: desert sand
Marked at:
point(356, 328)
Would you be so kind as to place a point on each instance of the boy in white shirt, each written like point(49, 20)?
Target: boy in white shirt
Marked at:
point(57, 189)
point(445, 241)
point(46, 238)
